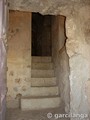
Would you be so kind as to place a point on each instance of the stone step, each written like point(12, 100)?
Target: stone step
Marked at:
point(43, 82)
point(42, 66)
point(40, 103)
point(44, 91)
point(39, 59)
point(42, 73)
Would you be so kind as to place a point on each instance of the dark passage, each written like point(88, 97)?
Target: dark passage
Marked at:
point(41, 35)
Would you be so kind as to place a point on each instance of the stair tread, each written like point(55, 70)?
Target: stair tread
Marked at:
point(39, 97)
point(40, 103)
point(43, 86)
point(43, 81)
point(42, 73)
point(41, 70)
point(42, 66)
point(44, 78)
point(43, 62)
point(45, 59)
point(44, 91)
point(41, 56)
point(46, 87)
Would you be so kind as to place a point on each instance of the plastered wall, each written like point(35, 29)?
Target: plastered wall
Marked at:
point(19, 56)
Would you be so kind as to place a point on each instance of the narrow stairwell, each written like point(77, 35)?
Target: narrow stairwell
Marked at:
point(44, 91)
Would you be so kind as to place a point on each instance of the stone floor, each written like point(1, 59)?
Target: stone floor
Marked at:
point(17, 114)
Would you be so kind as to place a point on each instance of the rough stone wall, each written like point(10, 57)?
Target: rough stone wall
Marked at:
point(3, 64)
point(60, 58)
point(78, 49)
point(47, 6)
point(19, 56)
point(77, 45)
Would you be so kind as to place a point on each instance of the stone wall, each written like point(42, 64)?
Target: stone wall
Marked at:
point(19, 56)
point(77, 44)
point(78, 49)
point(60, 58)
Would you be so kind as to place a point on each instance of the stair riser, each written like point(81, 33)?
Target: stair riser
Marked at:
point(37, 104)
point(42, 82)
point(41, 59)
point(42, 73)
point(42, 66)
point(44, 91)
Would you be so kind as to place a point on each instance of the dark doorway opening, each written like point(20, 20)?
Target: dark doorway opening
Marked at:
point(41, 35)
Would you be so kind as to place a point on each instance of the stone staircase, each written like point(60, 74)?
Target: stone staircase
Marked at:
point(44, 91)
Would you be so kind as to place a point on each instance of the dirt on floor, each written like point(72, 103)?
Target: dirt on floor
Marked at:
point(50, 114)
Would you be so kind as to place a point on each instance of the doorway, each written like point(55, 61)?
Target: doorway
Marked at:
point(41, 35)
point(41, 77)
